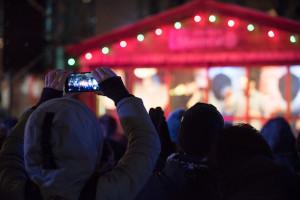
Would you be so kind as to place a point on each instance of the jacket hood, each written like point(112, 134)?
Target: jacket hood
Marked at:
point(61, 154)
point(278, 134)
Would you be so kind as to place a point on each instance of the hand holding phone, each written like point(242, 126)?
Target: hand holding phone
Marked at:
point(101, 74)
point(102, 81)
point(56, 79)
point(81, 82)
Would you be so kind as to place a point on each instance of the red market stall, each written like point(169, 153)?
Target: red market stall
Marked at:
point(245, 62)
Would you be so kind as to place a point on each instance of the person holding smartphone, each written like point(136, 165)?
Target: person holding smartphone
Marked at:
point(54, 150)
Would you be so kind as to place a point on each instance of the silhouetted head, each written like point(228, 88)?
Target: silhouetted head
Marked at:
point(278, 134)
point(238, 144)
point(199, 127)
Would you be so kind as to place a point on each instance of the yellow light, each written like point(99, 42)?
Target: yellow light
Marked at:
point(144, 72)
point(179, 90)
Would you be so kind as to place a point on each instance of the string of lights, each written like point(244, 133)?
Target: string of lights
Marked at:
point(178, 25)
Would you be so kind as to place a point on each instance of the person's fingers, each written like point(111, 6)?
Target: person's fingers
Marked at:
point(57, 79)
point(54, 83)
point(65, 75)
point(109, 72)
point(62, 79)
point(46, 81)
point(98, 75)
point(101, 74)
point(50, 76)
point(104, 74)
point(151, 110)
point(160, 110)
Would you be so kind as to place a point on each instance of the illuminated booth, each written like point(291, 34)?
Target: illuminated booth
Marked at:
point(245, 62)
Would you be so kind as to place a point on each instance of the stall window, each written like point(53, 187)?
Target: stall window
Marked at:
point(294, 95)
point(227, 91)
point(267, 93)
point(150, 85)
point(187, 87)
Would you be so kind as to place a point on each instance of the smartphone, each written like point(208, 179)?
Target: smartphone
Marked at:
point(81, 82)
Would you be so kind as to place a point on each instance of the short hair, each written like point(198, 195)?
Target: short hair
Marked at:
point(239, 143)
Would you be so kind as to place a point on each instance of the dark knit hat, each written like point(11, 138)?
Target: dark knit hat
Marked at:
point(200, 125)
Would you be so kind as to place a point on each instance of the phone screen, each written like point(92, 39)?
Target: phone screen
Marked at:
point(81, 82)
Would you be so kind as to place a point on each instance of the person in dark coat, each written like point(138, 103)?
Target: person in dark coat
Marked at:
point(3, 135)
point(245, 168)
point(114, 140)
point(186, 174)
point(298, 143)
point(278, 134)
point(55, 149)
point(5, 127)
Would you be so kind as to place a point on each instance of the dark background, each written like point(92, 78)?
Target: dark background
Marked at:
point(34, 32)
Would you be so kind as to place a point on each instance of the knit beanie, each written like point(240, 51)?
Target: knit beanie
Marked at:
point(200, 125)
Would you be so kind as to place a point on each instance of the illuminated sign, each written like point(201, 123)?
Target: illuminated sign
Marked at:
point(212, 38)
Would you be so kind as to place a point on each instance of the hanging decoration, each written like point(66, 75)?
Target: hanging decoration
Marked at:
point(212, 18)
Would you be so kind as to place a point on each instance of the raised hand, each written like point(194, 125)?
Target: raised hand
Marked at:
point(56, 79)
point(167, 147)
point(102, 74)
point(110, 84)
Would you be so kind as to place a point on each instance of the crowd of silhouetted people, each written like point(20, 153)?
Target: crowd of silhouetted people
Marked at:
point(59, 150)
